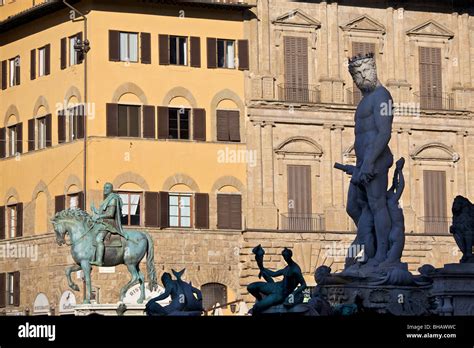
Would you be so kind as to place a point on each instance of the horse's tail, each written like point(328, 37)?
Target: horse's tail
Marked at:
point(150, 264)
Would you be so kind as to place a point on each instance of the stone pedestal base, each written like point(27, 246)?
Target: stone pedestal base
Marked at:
point(350, 293)
point(453, 289)
point(109, 309)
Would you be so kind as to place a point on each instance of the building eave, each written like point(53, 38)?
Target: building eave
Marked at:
point(51, 6)
point(33, 13)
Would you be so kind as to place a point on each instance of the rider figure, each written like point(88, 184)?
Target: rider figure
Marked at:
point(108, 215)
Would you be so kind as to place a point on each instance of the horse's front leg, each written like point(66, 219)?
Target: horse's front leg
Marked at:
point(87, 268)
point(69, 270)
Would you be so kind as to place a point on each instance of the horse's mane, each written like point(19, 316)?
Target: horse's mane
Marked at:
point(75, 213)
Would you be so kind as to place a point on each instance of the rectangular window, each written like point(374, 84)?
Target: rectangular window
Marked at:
point(226, 54)
point(229, 211)
point(296, 65)
point(12, 140)
point(11, 289)
point(180, 210)
point(73, 201)
point(178, 50)
point(14, 71)
point(12, 220)
point(129, 47)
point(131, 209)
point(431, 82)
point(72, 51)
point(228, 125)
point(435, 202)
point(178, 123)
point(128, 121)
point(42, 61)
point(41, 126)
point(72, 121)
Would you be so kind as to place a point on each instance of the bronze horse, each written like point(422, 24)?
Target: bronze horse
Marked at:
point(82, 231)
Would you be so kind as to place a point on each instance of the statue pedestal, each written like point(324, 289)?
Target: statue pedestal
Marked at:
point(397, 293)
point(453, 287)
point(109, 309)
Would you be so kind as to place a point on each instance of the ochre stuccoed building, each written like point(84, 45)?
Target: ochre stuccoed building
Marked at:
point(164, 107)
point(265, 107)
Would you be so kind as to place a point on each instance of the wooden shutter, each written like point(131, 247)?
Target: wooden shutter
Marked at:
point(19, 137)
point(431, 84)
point(4, 74)
point(296, 69)
point(33, 64)
point(299, 199)
point(163, 122)
point(19, 220)
point(47, 59)
point(3, 142)
point(112, 120)
point(145, 39)
point(18, 70)
point(235, 212)
point(435, 201)
point(80, 200)
point(63, 53)
point(31, 134)
point(59, 203)
point(2, 222)
point(163, 47)
point(223, 211)
point(164, 209)
point(195, 52)
point(114, 46)
point(16, 289)
point(222, 125)
point(3, 289)
point(49, 129)
point(243, 54)
point(202, 210)
point(152, 209)
point(234, 125)
point(79, 112)
point(211, 52)
point(61, 127)
point(149, 124)
point(299, 189)
point(199, 124)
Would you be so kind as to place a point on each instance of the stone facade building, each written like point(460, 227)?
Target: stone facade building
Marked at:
point(301, 105)
point(262, 106)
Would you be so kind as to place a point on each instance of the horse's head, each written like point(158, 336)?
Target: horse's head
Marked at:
point(60, 230)
point(69, 221)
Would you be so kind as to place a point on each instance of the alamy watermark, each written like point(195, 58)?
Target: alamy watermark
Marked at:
point(19, 251)
point(400, 109)
point(228, 155)
point(355, 251)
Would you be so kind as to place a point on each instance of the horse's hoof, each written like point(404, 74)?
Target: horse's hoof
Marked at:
point(140, 301)
point(86, 302)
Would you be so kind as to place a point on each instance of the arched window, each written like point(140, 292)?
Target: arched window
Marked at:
point(227, 121)
point(212, 294)
point(229, 208)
